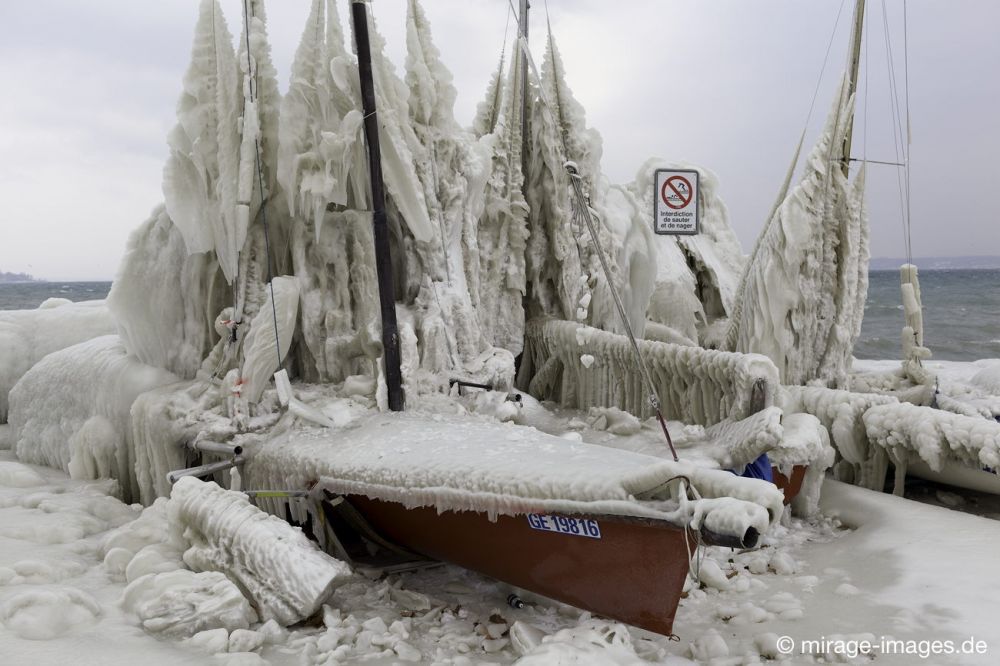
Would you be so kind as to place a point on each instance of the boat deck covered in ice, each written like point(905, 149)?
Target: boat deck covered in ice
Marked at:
point(608, 530)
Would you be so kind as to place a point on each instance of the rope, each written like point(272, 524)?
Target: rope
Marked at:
point(819, 82)
point(440, 213)
point(897, 136)
point(906, 95)
point(506, 29)
point(584, 211)
point(696, 557)
point(444, 322)
point(252, 73)
point(868, 161)
point(822, 70)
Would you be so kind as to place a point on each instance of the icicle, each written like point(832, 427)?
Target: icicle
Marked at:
point(489, 108)
point(203, 145)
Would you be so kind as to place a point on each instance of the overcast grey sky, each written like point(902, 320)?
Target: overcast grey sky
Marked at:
point(91, 89)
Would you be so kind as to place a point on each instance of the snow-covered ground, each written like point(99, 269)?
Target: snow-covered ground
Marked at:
point(872, 566)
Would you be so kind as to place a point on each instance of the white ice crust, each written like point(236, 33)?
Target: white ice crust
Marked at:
point(697, 275)
point(912, 432)
point(801, 298)
point(72, 410)
point(284, 574)
point(695, 385)
point(460, 464)
point(28, 335)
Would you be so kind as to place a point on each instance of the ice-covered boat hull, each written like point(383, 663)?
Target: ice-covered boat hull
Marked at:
point(633, 572)
point(790, 485)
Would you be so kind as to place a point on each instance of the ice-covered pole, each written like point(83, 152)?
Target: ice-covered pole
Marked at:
point(854, 64)
point(522, 27)
point(383, 258)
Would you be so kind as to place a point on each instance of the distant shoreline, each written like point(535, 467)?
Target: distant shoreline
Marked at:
point(884, 266)
point(876, 265)
point(17, 278)
point(932, 269)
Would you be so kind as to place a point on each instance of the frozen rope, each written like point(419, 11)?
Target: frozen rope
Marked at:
point(444, 322)
point(252, 73)
point(583, 210)
point(440, 213)
point(694, 557)
point(506, 30)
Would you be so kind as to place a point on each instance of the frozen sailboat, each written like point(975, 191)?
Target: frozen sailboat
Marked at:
point(276, 254)
point(598, 529)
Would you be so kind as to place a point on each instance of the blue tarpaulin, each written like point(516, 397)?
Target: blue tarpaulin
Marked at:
point(759, 469)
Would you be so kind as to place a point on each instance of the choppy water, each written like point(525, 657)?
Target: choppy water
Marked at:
point(961, 311)
point(961, 315)
point(29, 295)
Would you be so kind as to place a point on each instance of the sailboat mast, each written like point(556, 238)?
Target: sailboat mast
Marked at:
point(852, 81)
point(522, 23)
point(383, 258)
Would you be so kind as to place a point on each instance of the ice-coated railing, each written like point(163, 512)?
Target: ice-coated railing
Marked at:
point(583, 367)
point(842, 414)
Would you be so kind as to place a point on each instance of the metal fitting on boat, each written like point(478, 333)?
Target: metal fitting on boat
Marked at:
point(220, 448)
point(202, 470)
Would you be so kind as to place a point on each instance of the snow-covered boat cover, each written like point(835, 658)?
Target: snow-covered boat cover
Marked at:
point(456, 463)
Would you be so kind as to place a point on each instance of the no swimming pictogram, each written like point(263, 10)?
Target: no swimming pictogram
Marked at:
point(676, 192)
point(675, 201)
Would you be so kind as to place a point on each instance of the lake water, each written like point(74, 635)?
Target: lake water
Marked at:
point(961, 311)
point(961, 315)
point(29, 295)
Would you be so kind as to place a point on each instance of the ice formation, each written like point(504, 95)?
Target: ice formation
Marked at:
point(261, 259)
point(841, 413)
point(745, 440)
point(164, 422)
point(181, 603)
point(283, 573)
point(72, 410)
point(206, 559)
point(695, 385)
point(28, 335)
point(63, 610)
point(914, 352)
point(471, 467)
point(270, 336)
point(805, 442)
point(483, 236)
point(565, 275)
point(697, 276)
point(817, 240)
point(910, 432)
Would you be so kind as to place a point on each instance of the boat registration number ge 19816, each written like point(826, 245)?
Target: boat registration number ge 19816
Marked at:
point(565, 525)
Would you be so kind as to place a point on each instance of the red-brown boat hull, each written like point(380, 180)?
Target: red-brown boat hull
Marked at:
point(634, 573)
point(789, 485)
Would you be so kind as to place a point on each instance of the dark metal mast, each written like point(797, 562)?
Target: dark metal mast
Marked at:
point(383, 257)
point(522, 28)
